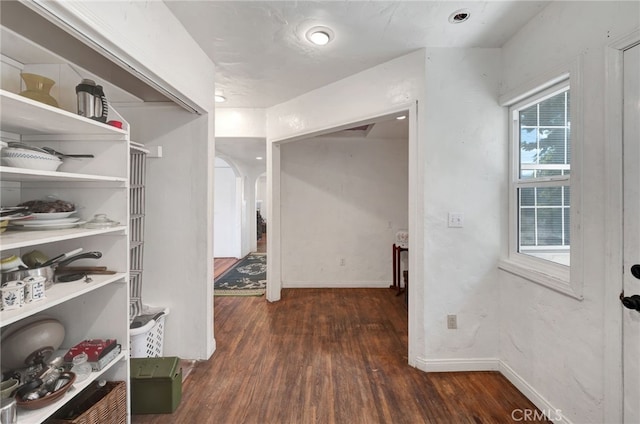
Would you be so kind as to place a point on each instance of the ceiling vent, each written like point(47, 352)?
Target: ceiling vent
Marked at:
point(359, 131)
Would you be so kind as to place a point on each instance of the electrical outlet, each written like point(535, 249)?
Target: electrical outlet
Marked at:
point(342, 262)
point(456, 220)
point(452, 322)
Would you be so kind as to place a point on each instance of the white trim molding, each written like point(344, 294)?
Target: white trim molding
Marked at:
point(613, 380)
point(458, 364)
point(553, 414)
point(546, 279)
point(104, 29)
point(563, 279)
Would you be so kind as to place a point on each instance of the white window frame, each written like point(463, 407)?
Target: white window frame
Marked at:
point(561, 278)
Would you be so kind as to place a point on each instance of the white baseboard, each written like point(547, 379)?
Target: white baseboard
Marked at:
point(494, 364)
point(554, 414)
point(335, 285)
point(466, 364)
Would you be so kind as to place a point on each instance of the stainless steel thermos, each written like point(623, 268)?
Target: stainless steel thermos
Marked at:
point(92, 102)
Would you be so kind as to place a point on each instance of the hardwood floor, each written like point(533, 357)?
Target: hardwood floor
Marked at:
point(220, 265)
point(329, 356)
point(262, 244)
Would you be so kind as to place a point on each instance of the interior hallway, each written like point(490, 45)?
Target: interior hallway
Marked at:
point(221, 265)
point(329, 356)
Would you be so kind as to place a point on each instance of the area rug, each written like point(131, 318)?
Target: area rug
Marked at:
point(246, 278)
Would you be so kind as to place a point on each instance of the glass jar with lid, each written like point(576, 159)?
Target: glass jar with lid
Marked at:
point(81, 367)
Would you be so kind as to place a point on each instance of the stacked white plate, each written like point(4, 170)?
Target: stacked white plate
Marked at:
point(48, 221)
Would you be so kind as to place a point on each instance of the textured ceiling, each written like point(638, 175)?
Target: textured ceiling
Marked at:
point(262, 57)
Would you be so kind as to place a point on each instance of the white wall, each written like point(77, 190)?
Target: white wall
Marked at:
point(342, 199)
point(227, 210)
point(261, 196)
point(554, 342)
point(178, 225)
point(465, 142)
point(399, 84)
point(240, 122)
point(456, 164)
point(249, 226)
point(245, 185)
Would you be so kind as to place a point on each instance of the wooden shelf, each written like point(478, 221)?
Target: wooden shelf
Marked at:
point(24, 116)
point(15, 239)
point(60, 293)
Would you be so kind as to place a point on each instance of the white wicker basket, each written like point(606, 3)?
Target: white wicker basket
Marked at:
point(148, 340)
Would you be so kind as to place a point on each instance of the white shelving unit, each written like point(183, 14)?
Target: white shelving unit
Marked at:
point(98, 309)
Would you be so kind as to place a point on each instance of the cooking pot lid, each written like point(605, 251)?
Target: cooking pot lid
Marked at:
point(40, 356)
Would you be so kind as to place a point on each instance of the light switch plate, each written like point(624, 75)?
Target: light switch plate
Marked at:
point(456, 220)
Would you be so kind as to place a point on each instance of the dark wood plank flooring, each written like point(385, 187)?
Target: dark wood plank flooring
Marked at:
point(262, 244)
point(329, 356)
point(220, 265)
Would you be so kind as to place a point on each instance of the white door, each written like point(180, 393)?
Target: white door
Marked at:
point(631, 201)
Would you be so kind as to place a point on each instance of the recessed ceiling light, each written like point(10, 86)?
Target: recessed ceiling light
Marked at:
point(319, 35)
point(220, 99)
point(459, 16)
point(259, 157)
point(401, 117)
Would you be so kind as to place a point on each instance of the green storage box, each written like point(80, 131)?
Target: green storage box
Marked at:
point(156, 385)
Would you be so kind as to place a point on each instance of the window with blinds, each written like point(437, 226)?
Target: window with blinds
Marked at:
point(542, 131)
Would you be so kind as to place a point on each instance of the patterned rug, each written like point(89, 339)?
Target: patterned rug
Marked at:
point(246, 278)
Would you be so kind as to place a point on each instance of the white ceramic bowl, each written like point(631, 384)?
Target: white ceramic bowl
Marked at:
point(30, 159)
point(23, 341)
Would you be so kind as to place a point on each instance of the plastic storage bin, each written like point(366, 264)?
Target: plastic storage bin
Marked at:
point(156, 385)
point(148, 341)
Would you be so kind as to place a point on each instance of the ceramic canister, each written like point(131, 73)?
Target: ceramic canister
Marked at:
point(34, 289)
point(12, 295)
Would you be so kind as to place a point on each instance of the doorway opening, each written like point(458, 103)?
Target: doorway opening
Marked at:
point(240, 166)
point(345, 183)
point(343, 198)
point(261, 213)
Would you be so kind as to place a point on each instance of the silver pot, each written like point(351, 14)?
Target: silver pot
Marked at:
point(8, 411)
point(48, 272)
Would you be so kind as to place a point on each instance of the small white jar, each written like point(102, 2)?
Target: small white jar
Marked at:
point(34, 289)
point(12, 295)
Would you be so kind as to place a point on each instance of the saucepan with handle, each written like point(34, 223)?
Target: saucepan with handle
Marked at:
point(48, 269)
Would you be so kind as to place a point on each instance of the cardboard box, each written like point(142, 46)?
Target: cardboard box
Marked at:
point(156, 385)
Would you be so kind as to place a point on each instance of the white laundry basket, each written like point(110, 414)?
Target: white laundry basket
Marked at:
point(148, 340)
